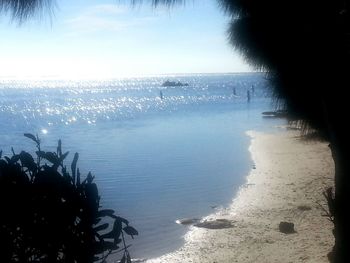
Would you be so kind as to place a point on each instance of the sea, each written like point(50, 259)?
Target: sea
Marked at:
point(158, 154)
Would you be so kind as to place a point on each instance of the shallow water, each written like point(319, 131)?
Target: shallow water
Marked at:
point(155, 160)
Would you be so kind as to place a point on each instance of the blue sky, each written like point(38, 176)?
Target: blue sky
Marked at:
point(98, 39)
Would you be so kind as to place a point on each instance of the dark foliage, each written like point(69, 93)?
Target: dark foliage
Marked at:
point(23, 9)
point(51, 215)
point(304, 46)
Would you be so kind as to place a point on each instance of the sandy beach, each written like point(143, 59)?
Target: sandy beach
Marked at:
point(285, 184)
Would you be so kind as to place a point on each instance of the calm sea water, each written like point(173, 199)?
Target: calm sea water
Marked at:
point(155, 160)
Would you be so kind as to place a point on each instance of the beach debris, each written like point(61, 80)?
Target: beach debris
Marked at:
point(286, 227)
point(304, 207)
point(187, 221)
point(215, 224)
point(275, 114)
point(138, 260)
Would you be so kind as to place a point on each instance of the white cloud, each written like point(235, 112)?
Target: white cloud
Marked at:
point(106, 9)
point(105, 18)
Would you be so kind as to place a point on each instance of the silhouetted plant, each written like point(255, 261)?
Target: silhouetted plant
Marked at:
point(49, 215)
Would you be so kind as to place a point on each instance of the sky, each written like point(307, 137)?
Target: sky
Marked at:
point(111, 39)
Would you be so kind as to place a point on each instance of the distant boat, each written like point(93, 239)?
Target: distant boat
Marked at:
point(174, 84)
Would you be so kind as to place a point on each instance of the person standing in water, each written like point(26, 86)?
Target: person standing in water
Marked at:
point(234, 91)
point(248, 95)
point(161, 95)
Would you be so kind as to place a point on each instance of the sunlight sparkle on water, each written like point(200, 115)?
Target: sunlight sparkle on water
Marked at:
point(44, 131)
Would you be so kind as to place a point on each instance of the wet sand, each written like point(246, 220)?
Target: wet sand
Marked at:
point(286, 184)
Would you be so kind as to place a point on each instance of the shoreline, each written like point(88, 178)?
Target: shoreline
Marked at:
point(286, 184)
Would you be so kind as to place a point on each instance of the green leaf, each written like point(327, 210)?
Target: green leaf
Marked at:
point(32, 137)
point(130, 231)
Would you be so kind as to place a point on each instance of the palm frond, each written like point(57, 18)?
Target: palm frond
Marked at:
point(159, 2)
point(21, 10)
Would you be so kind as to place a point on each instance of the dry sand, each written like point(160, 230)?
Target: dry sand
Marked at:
point(289, 173)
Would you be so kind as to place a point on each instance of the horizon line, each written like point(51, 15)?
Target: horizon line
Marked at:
point(86, 77)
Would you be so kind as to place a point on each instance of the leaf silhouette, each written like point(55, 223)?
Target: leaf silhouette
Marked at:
point(27, 160)
point(32, 137)
point(109, 235)
point(59, 148)
point(123, 260)
point(109, 245)
point(100, 247)
point(105, 212)
point(40, 154)
point(14, 158)
point(116, 231)
point(63, 156)
point(97, 220)
point(51, 157)
point(101, 227)
point(117, 241)
point(123, 220)
point(130, 231)
point(78, 177)
point(46, 196)
point(89, 178)
point(74, 166)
